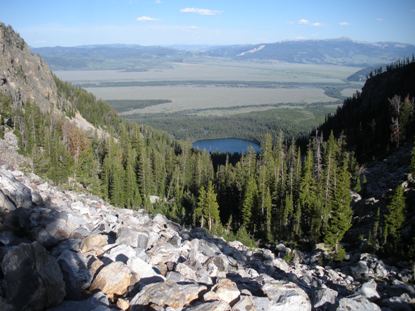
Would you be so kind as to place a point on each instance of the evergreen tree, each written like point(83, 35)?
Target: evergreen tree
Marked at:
point(268, 215)
point(310, 205)
point(198, 215)
point(212, 207)
point(248, 202)
point(394, 218)
point(340, 219)
point(131, 192)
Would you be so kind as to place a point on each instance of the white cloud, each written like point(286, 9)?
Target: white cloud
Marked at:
point(307, 22)
point(205, 12)
point(146, 19)
point(344, 24)
point(379, 19)
point(157, 1)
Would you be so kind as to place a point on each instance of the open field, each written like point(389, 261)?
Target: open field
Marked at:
point(193, 98)
point(221, 70)
point(211, 98)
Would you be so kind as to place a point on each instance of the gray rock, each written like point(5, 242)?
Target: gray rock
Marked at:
point(360, 270)
point(357, 302)
point(121, 253)
point(141, 269)
point(32, 278)
point(401, 303)
point(368, 290)
point(75, 274)
point(262, 304)
point(15, 191)
point(286, 295)
point(6, 205)
point(324, 296)
point(132, 238)
point(224, 290)
point(97, 302)
point(210, 306)
point(166, 294)
point(245, 303)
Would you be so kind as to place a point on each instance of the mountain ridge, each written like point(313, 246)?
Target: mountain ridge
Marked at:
point(331, 51)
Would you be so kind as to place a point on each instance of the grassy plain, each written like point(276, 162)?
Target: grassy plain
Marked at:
point(218, 98)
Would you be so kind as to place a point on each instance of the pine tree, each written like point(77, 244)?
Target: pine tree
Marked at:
point(394, 218)
point(340, 219)
point(131, 192)
point(310, 204)
point(268, 215)
point(198, 214)
point(248, 202)
point(212, 207)
point(87, 171)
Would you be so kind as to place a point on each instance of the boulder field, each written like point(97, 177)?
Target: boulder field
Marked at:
point(62, 250)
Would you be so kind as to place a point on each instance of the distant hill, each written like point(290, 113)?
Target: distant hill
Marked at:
point(137, 57)
point(362, 74)
point(113, 56)
point(333, 51)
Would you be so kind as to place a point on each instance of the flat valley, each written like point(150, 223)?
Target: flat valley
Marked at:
point(216, 90)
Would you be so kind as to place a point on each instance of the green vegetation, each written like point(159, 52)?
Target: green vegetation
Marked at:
point(394, 219)
point(5, 113)
point(252, 125)
point(132, 162)
point(128, 105)
point(380, 118)
point(281, 194)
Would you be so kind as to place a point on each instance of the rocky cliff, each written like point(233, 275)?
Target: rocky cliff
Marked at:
point(23, 75)
point(62, 250)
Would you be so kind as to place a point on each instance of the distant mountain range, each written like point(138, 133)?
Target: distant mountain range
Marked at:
point(110, 56)
point(335, 51)
point(136, 57)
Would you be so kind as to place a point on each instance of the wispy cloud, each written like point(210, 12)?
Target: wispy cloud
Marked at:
point(307, 22)
point(199, 11)
point(379, 19)
point(146, 19)
point(344, 24)
point(157, 1)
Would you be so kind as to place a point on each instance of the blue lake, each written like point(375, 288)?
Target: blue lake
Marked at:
point(226, 145)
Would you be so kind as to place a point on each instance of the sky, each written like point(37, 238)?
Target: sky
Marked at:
point(207, 22)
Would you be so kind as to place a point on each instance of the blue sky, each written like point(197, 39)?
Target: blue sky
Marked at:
point(167, 22)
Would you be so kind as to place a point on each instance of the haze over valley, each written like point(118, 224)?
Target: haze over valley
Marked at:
point(163, 86)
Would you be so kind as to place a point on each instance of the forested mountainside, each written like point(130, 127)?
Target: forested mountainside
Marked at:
point(380, 118)
point(281, 194)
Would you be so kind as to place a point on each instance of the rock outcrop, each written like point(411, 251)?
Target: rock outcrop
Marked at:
point(69, 251)
point(24, 76)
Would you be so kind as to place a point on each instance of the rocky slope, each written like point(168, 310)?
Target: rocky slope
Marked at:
point(23, 75)
point(62, 250)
